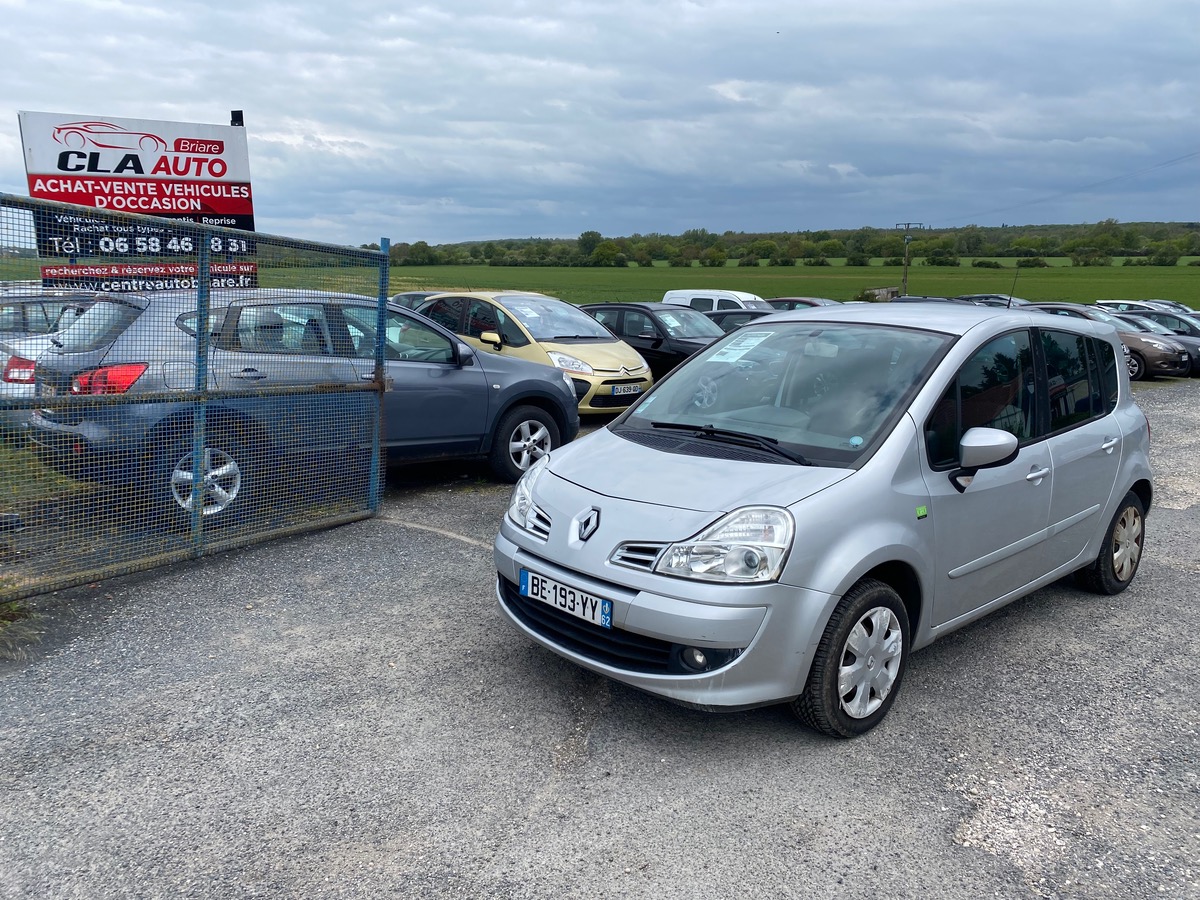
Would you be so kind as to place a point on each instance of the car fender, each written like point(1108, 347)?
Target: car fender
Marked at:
point(894, 544)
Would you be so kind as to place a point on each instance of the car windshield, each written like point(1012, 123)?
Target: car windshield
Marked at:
point(1100, 315)
point(96, 327)
point(551, 319)
point(758, 304)
point(827, 392)
point(686, 322)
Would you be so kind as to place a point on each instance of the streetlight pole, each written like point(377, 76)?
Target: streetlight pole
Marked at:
point(907, 239)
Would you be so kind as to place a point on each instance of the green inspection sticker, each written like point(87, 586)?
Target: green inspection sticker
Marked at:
point(922, 512)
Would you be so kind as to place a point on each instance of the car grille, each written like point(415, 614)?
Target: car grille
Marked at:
point(611, 646)
point(608, 401)
point(539, 525)
point(637, 556)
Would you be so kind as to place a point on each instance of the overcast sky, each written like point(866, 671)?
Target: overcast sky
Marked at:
point(475, 119)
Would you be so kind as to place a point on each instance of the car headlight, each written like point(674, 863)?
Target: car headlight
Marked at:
point(520, 505)
point(1158, 345)
point(569, 363)
point(747, 545)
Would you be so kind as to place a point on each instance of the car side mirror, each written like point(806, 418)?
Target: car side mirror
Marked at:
point(493, 338)
point(982, 448)
point(466, 356)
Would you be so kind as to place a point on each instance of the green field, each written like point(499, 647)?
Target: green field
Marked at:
point(586, 285)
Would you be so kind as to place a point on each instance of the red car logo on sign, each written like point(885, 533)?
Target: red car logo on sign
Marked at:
point(107, 136)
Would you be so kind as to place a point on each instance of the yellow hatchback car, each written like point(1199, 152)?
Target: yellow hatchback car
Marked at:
point(608, 374)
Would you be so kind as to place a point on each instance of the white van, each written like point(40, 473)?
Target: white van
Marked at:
point(708, 299)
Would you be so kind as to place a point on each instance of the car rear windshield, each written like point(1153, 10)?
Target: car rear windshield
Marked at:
point(98, 327)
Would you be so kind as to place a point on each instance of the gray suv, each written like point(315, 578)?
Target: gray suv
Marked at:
point(805, 502)
point(265, 424)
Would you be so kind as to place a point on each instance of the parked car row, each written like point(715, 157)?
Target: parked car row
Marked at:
point(442, 398)
point(1163, 346)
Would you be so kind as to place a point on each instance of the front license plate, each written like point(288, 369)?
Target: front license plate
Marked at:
point(570, 600)
point(619, 389)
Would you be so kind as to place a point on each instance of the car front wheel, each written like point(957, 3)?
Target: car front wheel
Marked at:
point(523, 436)
point(1121, 552)
point(1137, 367)
point(859, 664)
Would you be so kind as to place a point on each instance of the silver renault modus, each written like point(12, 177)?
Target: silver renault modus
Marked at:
point(802, 504)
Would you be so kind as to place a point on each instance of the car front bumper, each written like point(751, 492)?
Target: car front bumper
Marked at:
point(763, 636)
point(596, 393)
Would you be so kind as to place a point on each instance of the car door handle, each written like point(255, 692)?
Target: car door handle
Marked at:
point(1037, 474)
point(1109, 444)
point(248, 375)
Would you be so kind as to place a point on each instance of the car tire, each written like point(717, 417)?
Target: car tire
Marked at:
point(230, 475)
point(523, 435)
point(1121, 553)
point(1137, 366)
point(846, 695)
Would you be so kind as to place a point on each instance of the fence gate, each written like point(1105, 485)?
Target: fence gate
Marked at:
point(172, 389)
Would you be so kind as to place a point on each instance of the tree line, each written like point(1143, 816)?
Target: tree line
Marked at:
point(1148, 243)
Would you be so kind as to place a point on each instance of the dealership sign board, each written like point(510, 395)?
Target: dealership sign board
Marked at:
point(174, 170)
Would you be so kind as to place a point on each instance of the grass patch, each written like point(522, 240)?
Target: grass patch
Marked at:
point(23, 479)
point(18, 629)
point(586, 285)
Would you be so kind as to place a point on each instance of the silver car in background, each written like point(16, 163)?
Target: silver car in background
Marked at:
point(805, 502)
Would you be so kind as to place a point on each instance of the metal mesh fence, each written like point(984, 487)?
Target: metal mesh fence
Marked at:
point(170, 389)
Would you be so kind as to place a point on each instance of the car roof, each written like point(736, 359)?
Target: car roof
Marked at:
point(495, 295)
point(948, 318)
point(638, 304)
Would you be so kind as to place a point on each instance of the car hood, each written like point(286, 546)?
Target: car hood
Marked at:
point(612, 466)
point(607, 356)
point(1141, 340)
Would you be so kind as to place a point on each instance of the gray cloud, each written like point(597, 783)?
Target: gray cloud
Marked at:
point(462, 121)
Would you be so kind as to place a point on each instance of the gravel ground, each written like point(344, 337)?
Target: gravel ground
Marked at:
point(346, 714)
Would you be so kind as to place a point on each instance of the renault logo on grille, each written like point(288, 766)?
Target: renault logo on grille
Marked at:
point(589, 523)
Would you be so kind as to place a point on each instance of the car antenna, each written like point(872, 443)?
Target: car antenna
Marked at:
point(1012, 290)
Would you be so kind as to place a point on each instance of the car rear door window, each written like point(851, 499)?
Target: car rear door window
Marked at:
point(1076, 379)
point(447, 312)
point(282, 328)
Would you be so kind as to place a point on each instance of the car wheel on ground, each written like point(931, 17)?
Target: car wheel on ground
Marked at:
point(523, 436)
point(1137, 366)
point(859, 664)
point(1121, 552)
point(226, 472)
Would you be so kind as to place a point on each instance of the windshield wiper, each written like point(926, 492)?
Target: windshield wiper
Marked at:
point(758, 441)
point(577, 337)
point(55, 341)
